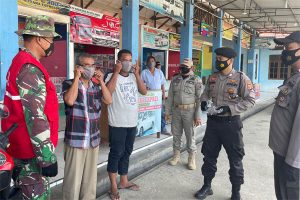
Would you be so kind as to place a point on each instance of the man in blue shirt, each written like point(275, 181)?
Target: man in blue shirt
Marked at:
point(155, 80)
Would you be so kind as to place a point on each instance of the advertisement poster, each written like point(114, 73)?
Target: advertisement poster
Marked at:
point(47, 5)
point(246, 40)
point(171, 8)
point(227, 31)
point(105, 62)
point(99, 29)
point(149, 117)
point(155, 38)
point(174, 41)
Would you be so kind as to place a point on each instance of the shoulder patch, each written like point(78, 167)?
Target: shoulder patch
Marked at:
point(249, 85)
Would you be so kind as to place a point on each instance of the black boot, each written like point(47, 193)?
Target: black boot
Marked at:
point(205, 190)
point(236, 192)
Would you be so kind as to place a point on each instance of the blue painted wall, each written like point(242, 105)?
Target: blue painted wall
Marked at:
point(263, 76)
point(8, 39)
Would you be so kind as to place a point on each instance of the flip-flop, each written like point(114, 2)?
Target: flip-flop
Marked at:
point(114, 196)
point(132, 186)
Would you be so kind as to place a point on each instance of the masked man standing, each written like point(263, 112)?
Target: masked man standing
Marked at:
point(231, 93)
point(32, 101)
point(124, 84)
point(284, 137)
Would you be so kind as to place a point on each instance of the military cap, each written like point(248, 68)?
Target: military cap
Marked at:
point(293, 37)
point(226, 52)
point(187, 62)
point(41, 25)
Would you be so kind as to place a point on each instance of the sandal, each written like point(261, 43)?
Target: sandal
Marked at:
point(131, 186)
point(114, 196)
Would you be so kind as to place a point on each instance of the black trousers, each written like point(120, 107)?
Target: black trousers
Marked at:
point(224, 131)
point(121, 145)
point(286, 179)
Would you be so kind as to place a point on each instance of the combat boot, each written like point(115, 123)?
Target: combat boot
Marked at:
point(192, 161)
point(205, 190)
point(176, 158)
point(236, 192)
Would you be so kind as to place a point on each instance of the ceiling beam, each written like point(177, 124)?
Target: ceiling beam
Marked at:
point(88, 4)
point(70, 2)
point(140, 8)
point(81, 3)
point(225, 4)
point(164, 22)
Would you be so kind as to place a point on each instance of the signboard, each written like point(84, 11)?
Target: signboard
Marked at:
point(227, 31)
point(174, 41)
point(174, 63)
point(197, 44)
point(94, 28)
point(171, 8)
point(155, 38)
point(47, 5)
point(149, 116)
point(245, 40)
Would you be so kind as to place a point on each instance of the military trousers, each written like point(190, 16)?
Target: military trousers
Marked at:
point(226, 132)
point(183, 119)
point(286, 179)
point(27, 175)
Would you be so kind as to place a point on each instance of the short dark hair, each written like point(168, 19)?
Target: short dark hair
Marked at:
point(123, 51)
point(27, 38)
point(149, 57)
point(81, 56)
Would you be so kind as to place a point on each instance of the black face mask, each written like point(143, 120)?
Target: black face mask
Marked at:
point(50, 49)
point(221, 65)
point(289, 57)
point(184, 70)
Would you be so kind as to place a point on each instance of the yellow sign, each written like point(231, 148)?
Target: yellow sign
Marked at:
point(227, 31)
point(47, 5)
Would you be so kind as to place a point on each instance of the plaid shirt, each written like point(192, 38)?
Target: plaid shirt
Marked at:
point(83, 118)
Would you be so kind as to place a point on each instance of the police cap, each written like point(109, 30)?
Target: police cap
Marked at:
point(226, 52)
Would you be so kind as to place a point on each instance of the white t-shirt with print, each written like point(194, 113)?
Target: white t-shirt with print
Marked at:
point(123, 112)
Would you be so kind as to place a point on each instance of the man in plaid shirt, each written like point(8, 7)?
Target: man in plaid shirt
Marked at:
point(82, 100)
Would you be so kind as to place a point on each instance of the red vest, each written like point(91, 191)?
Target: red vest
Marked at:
point(20, 144)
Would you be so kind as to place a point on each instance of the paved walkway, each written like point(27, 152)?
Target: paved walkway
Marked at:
point(179, 183)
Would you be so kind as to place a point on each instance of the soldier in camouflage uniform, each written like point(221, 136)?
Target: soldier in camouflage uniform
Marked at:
point(30, 90)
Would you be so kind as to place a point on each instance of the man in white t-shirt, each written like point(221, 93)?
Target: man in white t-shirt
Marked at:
point(124, 84)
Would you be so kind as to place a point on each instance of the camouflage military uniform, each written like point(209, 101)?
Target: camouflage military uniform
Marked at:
point(32, 90)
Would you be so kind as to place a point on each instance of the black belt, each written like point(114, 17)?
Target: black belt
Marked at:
point(224, 118)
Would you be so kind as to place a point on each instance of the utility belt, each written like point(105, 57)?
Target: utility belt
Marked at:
point(224, 118)
point(185, 106)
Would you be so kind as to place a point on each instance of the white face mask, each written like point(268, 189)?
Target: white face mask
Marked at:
point(88, 72)
point(152, 64)
point(126, 66)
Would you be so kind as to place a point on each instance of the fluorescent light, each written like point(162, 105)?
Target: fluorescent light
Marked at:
point(245, 8)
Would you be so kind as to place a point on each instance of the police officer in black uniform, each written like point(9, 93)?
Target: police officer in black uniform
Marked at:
point(231, 93)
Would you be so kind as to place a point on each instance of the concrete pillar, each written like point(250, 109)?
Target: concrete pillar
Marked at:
point(186, 41)
point(251, 59)
point(238, 48)
point(130, 27)
point(218, 36)
point(8, 39)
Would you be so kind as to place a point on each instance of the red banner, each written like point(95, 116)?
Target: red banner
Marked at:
point(102, 31)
